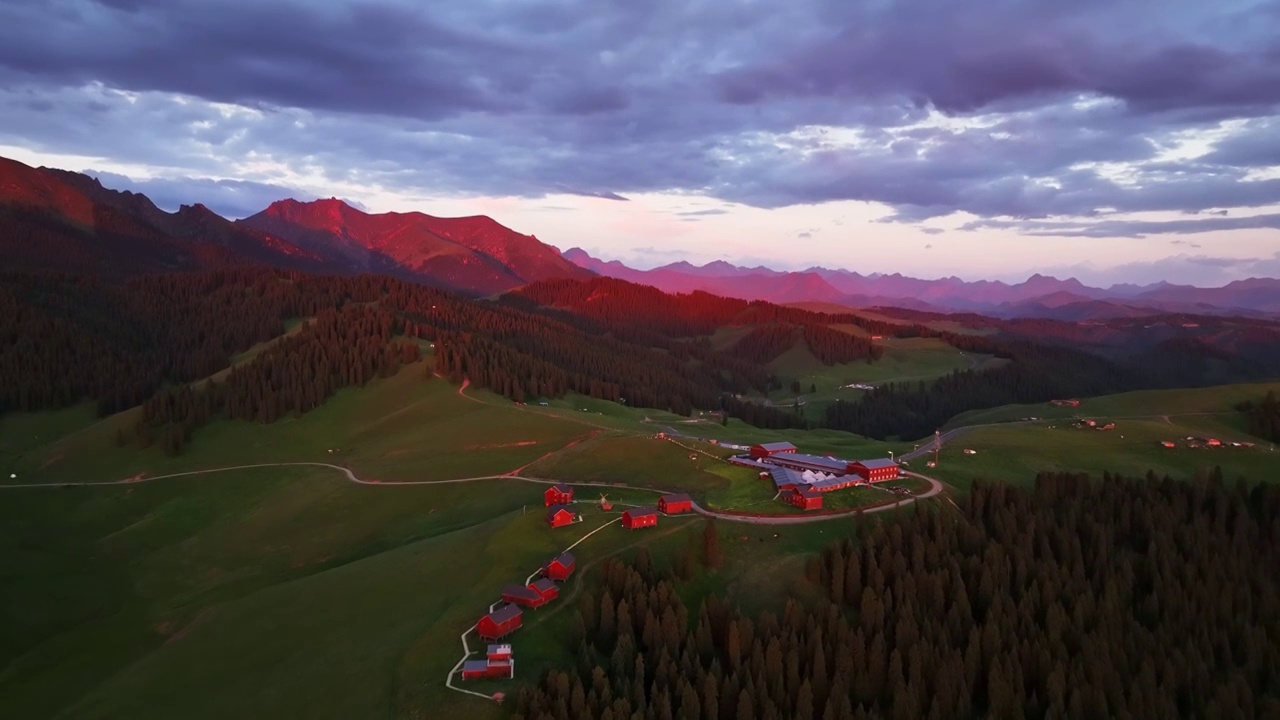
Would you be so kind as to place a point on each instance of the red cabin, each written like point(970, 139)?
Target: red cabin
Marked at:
point(876, 470)
point(675, 503)
point(559, 516)
point(764, 450)
point(488, 669)
point(560, 567)
point(499, 623)
point(546, 589)
point(639, 518)
point(499, 653)
point(522, 596)
point(498, 663)
point(804, 498)
point(558, 494)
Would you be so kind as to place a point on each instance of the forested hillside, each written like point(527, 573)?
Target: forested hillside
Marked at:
point(72, 338)
point(1264, 417)
point(1139, 598)
point(68, 339)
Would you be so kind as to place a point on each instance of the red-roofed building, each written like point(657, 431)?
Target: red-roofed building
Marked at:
point(499, 623)
point(639, 518)
point(875, 470)
point(546, 589)
point(764, 450)
point(675, 503)
point(804, 498)
point(560, 567)
point(522, 596)
point(498, 653)
point(558, 494)
point(498, 663)
point(559, 516)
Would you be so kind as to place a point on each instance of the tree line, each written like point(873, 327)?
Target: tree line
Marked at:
point(1264, 416)
point(1077, 598)
point(346, 347)
point(121, 344)
point(1034, 373)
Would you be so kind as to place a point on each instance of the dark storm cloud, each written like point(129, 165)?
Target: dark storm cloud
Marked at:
point(542, 97)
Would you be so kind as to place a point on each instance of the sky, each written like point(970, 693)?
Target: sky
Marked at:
point(1110, 140)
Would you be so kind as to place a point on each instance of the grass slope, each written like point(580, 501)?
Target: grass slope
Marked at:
point(904, 360)
point(1016, 452)
point(289, 592)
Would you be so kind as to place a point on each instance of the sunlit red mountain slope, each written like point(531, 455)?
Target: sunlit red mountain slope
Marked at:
point(474, 254)
point(63, 221)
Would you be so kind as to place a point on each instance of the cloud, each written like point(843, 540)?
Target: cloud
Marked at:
point(804, 235)
point(1133, 228)
point(1024, 109)
point(229, 198)
point(1198, 270)
point(603, 195)
point(701, 213)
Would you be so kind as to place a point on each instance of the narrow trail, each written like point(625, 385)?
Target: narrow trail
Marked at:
point(577, 441)
point(466, 653)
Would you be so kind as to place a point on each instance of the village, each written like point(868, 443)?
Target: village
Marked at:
point(507, 614)
point(799, 480)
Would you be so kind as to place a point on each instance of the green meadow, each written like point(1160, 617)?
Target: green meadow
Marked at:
point(1016, 451)
point(291, 592)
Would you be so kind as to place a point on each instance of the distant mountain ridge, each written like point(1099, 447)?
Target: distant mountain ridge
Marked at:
point(1037, 296)
point(56, 220)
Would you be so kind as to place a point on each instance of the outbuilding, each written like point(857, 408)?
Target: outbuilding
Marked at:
point(499, 623)
point(560, 567)
point(498, 663)
point(522, 596)
point(675, 503)
point(488, 669)
point(876, 470)
point(804, 498)
point(559, 516)
point(558, 494)
point(639, 518)
point(498, 653)
point(764, 450)
point(546, 589)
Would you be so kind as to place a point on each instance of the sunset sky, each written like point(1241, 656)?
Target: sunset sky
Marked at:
point(1117, 140)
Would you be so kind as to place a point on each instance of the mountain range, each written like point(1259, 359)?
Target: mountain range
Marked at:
point(1038, 296)
point(56, 220)
point(64, 221)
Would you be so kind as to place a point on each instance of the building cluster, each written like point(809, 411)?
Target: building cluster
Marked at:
point(1095, 425)
point(1206, 442)
point(506, 619)
point(557, 499)
point(516, 598)
point(801, 479)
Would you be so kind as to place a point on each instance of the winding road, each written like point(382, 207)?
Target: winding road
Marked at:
point(935, 488)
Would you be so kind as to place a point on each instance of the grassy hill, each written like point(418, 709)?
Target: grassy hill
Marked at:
point(290, 591)
point(904, 360)
point(1015, 451)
